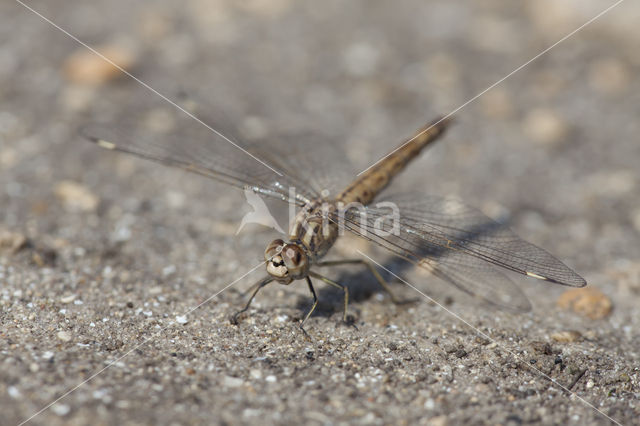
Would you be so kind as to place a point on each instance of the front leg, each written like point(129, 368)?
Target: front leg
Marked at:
point(257, 286)
point(313, 308)
point(342, 287)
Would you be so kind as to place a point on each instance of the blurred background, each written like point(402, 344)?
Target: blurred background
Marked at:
point(553, 150)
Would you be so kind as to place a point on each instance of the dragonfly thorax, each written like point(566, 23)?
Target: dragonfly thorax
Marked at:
point(286, 261)
point(314, 229)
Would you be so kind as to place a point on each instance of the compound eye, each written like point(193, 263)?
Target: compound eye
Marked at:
point(273, 249)
point(292, 256)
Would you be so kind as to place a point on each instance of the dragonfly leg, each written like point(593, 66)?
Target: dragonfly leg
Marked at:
point(256, 287)
point(251, 289)
point(374, 272)
point(342, 287)
point(313, 308)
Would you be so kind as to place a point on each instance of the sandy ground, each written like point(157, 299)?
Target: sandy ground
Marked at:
point(102, 255)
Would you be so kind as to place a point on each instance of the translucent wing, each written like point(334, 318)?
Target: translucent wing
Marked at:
point(293, 169)
point(459, 244)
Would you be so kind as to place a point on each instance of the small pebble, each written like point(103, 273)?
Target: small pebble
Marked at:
point(61, 409)
point(232, 382)
point(68, 299)
point(542, 347)
point(175, 200)
point(589, 302)
point(14, 392)
point(461, 353)
point(438, 421)
point(566, 336)
point(551, 18)
point(85, 67)
point(76, 197)
point(168, 270)
point(182, 319)
point(65, 336)
point(99, 393)
point(12, 241)
point(545, 127)
point(156, 290)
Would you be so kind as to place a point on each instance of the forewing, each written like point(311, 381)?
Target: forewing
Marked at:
point(293, 168)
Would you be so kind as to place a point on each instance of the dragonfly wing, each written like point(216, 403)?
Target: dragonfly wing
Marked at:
point(460, 244)
point(184, 154)
point(314, 161)
point(318, 166)
point(176, 136)
point(482, 281)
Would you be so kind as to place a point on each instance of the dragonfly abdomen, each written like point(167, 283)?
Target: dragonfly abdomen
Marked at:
point(369, 184)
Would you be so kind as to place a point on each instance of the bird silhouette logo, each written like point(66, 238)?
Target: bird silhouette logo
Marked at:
point(260, 214)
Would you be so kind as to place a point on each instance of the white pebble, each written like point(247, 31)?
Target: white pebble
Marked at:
point(168, 270)
point(14, 392)
point(100, 393)
point(68, 299)
point(65, 336)
point(232, 382)
point(61, 409)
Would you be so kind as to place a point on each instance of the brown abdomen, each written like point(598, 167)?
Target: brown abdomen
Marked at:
point(369, 184)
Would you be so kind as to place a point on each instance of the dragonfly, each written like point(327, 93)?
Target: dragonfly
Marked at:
point(442, 235)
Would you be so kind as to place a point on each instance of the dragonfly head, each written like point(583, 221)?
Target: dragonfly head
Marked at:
point(286, 262)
